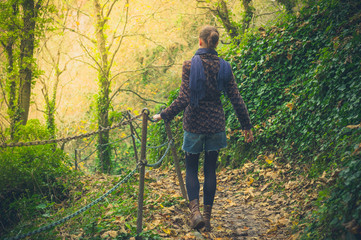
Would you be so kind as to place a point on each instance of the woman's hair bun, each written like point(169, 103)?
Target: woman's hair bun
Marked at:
point(210, 35)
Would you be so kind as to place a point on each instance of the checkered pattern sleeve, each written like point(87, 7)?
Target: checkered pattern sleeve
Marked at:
point(238, 104)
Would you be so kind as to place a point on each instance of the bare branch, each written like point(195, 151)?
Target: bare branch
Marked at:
point(149, 17)
point(92, 57)
point(79, 60)
point(145, 99)
point(49, 53)
point(38, 109)
point(114, 34)
point(149, 66)
point(2, 43)
point(140, 25)
point(44, 91)
point(64, 27)
point(111, 8)
point(106, 3)
point(79, 33)
point(77, 9)
point(87, 63)
point(264, 14)
point(61, 92)
point(121, 39)
point(117, 90)
point(135, 93)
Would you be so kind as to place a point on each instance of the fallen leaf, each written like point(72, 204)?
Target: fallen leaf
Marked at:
point(283, 221)
point(273, 229)
point(265, 186)
point(250, 181)
point(170, 232)
point(354, 126)
point(290, 105)
point(289, 56)
point(271, 174)
point(249, 191)
point(268, 160)
point(112, 234)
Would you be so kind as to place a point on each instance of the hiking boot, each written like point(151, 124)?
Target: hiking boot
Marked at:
point(196, 220)
point(207, 211)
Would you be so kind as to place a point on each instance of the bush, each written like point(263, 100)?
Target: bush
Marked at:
point(339, 212)
point(30, 176)
point(300, 81)
point(157, 135)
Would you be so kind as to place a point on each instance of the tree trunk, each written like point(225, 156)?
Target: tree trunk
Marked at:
point(9, 45)
point(223, 13)
point(233, 29)
point(249, 9)
point(50, 117)
point(289, 4)
point(51, 103)
point(104, 154)
point(13, 113)
point(27, 44)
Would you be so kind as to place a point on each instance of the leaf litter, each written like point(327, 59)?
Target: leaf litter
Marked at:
point(260, 200)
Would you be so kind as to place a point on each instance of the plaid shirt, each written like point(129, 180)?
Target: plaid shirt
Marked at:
point(208, 117)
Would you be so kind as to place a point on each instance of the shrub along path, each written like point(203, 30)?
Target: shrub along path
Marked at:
point(261, 200)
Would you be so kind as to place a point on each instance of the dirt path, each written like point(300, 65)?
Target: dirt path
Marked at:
point(238, 214)
point(244, 208)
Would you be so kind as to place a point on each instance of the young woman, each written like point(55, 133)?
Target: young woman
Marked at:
point(204, 78)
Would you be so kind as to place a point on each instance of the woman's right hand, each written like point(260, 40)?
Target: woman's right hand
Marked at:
point(248, 136)
point(157, 117)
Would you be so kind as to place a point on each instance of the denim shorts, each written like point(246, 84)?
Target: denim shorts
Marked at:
point(196, 143)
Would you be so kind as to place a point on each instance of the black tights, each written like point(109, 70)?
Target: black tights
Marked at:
point(210, 181)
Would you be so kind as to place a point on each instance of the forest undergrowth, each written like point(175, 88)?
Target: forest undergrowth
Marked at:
point(261, 200)
point(300, 77)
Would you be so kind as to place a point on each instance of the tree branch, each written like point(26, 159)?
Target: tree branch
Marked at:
point(93, 58)
point(111, 8)
point(121, 39)
point(38, 109)
point(265, 14)
point(2, 43)
point(76, 59)
point(137, 94)
point(77, 9)
point(80, 34)
point(142, 69)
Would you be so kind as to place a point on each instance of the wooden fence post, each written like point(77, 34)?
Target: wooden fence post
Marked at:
point(176, 161)
point(132, 131)
point(142, 163)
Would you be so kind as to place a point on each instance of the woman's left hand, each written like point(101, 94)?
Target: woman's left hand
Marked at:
point(157, 117)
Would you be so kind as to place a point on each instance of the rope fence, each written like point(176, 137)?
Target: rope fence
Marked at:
point(78, 151)
point(67, 139)
point(141, 164)
point(83, 209)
